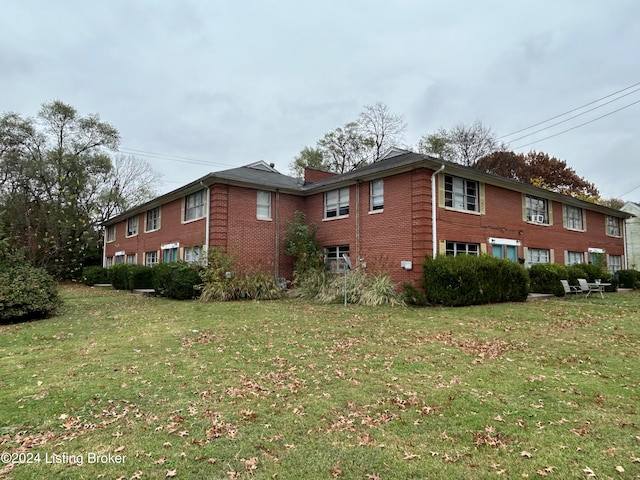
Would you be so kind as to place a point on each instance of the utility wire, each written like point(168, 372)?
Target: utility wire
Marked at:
point(577, 126)
point(144, 153)
point(568, 112)
point(571, 118)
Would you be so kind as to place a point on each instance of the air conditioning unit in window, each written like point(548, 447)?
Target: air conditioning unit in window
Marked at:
point(538, 218)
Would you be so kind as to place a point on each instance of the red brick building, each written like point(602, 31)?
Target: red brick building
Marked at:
point(386, 216)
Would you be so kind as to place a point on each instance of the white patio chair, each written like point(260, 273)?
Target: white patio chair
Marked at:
point(569, 289)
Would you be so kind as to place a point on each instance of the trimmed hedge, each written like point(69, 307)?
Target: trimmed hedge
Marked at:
point(94, 275)
point(27, 292)
point(473, 280)
point(127, 276)
point(629, 278)
point(179, 280)
point(545, 277)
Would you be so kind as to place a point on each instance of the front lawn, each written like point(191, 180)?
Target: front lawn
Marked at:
point(121, 386)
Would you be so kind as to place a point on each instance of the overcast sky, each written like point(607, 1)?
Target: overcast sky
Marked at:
point(209, 85)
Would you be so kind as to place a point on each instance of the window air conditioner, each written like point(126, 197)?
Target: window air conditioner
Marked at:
point(538, 218)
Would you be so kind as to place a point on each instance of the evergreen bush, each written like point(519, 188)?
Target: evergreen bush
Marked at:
point(545, 278)
point(94, 275)
point(473, 280)
point(629, 278)
point(119, 275)
point(176, 280)
point(27, 292)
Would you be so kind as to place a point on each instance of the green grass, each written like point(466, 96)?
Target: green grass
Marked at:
point(287, 390)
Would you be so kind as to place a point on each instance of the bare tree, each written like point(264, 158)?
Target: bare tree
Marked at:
point(464, 144)
point(382, 127)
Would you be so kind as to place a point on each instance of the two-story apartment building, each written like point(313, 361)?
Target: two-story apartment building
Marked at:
point(386, 216)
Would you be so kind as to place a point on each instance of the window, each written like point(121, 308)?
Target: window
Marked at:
point(263, 211)
point(194, 206)
point(376, 188)
point(461, 248)
point(193, 254)
point(170, 255)
point(537, 210)
point(573, 258)
point(150, 258)
point(615, 263)
point(573, 218)
point(111, 233)
point(119, 258)
point(336, 203)
point(153, 220)
point(109, 262)
point(132, 226)
point(460, 193)
point(538, 255)
point(132, 258)
point(333, 260)
point(613, 226)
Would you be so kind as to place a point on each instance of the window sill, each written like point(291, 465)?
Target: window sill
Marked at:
point(131, 236)
point(264, 219)
point(151, 231)
point(339, 217)
point(373, 212)
point(575, 229)
point(539, 224)
point(192, 220)
point(461, 210)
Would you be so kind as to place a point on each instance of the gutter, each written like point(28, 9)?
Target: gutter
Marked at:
point(207, 224)
point(434, 230)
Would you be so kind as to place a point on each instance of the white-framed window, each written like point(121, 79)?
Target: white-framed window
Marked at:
point(170, 255)
point(150, 258)
point(538, 255)
point(118, 258)
point(194, 206)
point(461, 194)
point(376, 188)
point(263, 209)
point(132, 258)
point(333, 260)
point(574, 217)
point(336, 203)
point(614, 263)
point(613, 226)
point(193, 254)
point(111, 233)
point(462, 248)
point(536, 210)
point(574, 258)
point(109, 262)
point(152, 221)
point(132, 226)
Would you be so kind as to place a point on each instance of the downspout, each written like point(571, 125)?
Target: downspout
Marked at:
point(207, 224)
point(357, 223)
point(277, 219)
point(104, 248)
point(434, 230)
point(624, 243)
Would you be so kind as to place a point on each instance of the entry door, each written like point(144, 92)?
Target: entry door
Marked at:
point(497, 251)
point(512, 253)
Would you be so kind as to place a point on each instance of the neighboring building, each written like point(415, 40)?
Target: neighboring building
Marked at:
point(632, 237)
point(386, 216)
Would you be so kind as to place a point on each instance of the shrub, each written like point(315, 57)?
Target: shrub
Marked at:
point(120, 276)
point(94, 275)
point(27, 292)
point(140, 276)
point(473, 280)
point(176, 280)
point(362, 288)
point(221, 284)
point(629, 278)
point(545, 278)
point(413, 295)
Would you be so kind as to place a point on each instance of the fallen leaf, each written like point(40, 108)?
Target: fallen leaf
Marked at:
point(525, 454)
point(588, 472)
point(119, 449)
point(619, 469)
point(372, 476)
point(336, 472)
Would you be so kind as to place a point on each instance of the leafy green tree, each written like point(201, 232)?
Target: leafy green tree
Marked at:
point(308, 157)
point(300, 241)
point(53, 169)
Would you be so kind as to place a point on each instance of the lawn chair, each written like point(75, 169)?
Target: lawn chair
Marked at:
point(569, 289)
point(584, 285)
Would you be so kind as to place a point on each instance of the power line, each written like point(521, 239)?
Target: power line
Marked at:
point(571, 118)
point(173, 158)
point(577, 126)
point(569, 111)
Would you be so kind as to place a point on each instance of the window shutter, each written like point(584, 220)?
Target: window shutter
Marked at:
point(524, 207)
point(442, 250)
point(483, 248)
point(525, 252)
point(564, 217)
point(482, 201)
point(441, 190)
point(566, 257)
point(552, 256)
point(550, 205)
point(181, 253)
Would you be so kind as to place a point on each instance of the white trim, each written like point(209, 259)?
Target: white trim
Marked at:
point(169, 246)
point(504, 241)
